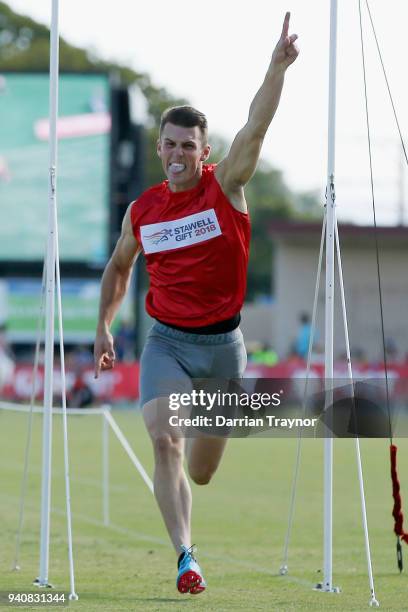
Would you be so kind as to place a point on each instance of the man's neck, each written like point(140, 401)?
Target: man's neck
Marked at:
point(177, 188)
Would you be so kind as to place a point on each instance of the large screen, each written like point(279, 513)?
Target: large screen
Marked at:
point(20, 302)
point(82, 170)
point(20, 307)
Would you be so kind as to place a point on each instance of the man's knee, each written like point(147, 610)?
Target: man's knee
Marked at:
point(166, 445)
point(201, 475)
point(204, 456)
point(167, 448)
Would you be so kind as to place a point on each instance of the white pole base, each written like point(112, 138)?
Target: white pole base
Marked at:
point(73, 597)
point(283, 570)
point(373, 603)
point(320, 587)
point(42, 585)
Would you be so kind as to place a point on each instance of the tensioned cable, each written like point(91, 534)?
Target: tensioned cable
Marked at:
point(387, 83)
point(377, 251)
point(373, 600)
point(284, 567)
point(23, 494)
point(397, 509)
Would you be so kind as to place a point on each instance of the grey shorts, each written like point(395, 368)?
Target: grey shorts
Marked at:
point(171, 358)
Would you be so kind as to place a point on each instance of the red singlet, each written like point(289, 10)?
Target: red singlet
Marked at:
point(196, 246)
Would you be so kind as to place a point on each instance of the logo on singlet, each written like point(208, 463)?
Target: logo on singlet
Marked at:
point(170, 235)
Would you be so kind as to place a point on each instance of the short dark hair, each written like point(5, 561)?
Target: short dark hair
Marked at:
point(185, 116)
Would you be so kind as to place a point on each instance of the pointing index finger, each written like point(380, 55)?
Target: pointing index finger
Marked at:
point(98, 366)
point(285, 28)
point(97, 369)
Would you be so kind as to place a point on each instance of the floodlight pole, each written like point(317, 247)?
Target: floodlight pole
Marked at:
point(329, 303)
point(49, 304)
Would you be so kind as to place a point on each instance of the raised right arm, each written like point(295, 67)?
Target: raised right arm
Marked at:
point(115, 282)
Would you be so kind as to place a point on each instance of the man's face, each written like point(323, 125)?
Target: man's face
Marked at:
point(182, 154)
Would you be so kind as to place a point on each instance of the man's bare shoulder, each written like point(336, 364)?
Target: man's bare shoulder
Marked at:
point(127, 247)
point(233, 192)
point(147, 199)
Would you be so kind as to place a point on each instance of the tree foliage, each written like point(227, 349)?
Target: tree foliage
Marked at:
point(24, 45)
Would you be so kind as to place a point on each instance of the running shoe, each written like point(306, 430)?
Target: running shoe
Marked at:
point(190, 578)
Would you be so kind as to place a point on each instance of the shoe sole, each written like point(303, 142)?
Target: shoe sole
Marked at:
point(190, 582)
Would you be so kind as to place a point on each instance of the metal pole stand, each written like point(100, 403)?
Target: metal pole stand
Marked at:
point(331, 237)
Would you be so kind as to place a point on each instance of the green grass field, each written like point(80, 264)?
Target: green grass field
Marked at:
point(239, 524)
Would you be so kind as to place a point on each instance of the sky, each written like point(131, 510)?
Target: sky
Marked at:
point(215, 54)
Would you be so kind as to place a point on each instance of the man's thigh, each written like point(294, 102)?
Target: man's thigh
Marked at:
point(157, 417)
point(160, 372)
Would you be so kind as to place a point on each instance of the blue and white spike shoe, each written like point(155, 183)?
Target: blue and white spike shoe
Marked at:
point(190, 578)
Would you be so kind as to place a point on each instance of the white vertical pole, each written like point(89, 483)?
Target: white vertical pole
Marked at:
point(373, 600)
point(72, 596)
point(105, 469)
point(328, 442)
point(50, 306)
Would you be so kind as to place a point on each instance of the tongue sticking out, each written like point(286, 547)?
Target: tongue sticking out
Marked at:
point(177, 168)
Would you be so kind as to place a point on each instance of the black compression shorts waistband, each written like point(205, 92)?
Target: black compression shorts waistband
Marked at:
point(221, 327)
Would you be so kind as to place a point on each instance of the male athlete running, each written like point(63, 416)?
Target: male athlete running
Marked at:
point(194, 231)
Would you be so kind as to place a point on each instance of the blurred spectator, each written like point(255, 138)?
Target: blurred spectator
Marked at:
point(262, 354)
point(82, 356)
point(125, 342)
point(80, 394)
point(391, 350)
point(303, 338)
point(358, 355)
